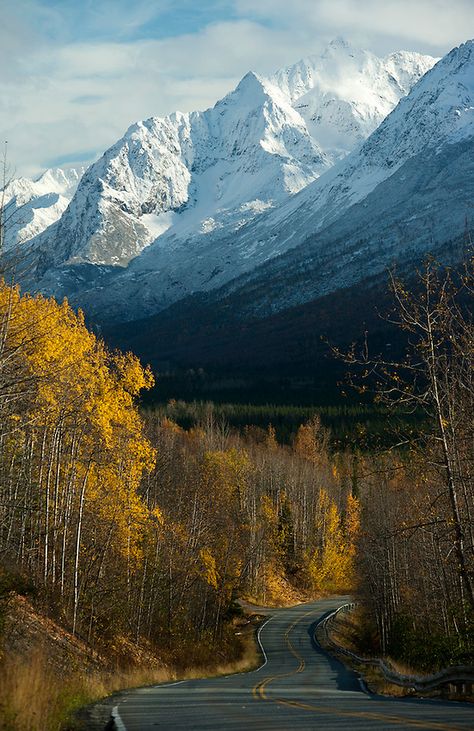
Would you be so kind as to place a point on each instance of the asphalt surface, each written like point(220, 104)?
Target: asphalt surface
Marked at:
point(298, 687)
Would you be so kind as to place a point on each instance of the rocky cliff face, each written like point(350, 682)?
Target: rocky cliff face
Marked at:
point(171, 208)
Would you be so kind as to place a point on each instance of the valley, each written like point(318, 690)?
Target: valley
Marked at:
point(237, 381)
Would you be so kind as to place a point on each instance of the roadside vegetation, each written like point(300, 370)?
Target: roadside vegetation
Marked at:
point(415, 555)
point(135, 532)
point(44, 688)
point(132, 532)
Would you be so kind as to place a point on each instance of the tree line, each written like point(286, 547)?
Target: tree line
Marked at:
point(416, 548)
point(130, 525)
point(127, 524)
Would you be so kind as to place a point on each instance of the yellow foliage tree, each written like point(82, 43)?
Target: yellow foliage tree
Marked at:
point(311, 441)
point(75, 418)
point(330, 563)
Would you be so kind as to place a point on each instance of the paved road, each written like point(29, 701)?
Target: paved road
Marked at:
point(299, 687)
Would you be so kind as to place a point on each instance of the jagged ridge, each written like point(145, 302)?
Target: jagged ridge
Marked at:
point(197, 183)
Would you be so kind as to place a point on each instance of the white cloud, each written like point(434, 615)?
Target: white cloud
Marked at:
point(63, 98)
point(427, 25)
point(79, 98)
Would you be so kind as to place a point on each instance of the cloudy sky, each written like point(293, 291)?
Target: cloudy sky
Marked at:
point(74, 74)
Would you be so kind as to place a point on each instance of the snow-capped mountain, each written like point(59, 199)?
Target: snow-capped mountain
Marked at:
point(188, 174)
point(437, 114)
point(31, 206)
point(406, 191)
point(345, 93)
point(169, 209)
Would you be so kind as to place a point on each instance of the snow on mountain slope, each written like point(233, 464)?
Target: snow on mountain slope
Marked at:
point(417, 203)
point(383, 200)
point(407, 191)
point(189, 172)
point(422, 208)
point(345, 93)
point(439, 111)
point(31, 206)
point(188, 202)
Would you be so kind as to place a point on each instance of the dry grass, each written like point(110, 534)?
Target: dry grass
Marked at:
point(378, 684)
point(248, 661)
point(33, 698)
point(352, 631)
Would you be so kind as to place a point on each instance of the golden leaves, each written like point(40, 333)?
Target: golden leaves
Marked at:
point(331, 564)
point(79, 396)
point(210, 567)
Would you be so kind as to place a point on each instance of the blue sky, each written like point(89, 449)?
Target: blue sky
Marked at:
point(74, 74)
point(111, 20)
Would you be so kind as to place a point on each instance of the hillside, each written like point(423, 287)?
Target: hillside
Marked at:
point(170, 209)
point(385, 205)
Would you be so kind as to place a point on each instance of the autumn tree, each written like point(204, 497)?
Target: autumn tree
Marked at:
point(72, 455)
point(439, 321)
point(425, 549)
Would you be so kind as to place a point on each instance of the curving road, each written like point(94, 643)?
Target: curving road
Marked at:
point(298, 687)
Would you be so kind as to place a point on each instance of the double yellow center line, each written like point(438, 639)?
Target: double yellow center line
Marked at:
point(259, 693)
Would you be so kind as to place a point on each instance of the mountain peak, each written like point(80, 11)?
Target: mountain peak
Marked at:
point(34, 205)
point(439, 110)
point(251, 83)
point(254, 91)
point(60, 180)
point(251, 78)
point(340, 48)
point(191, 182)
point(339, 43)
point(344, 93)
point(461, 54)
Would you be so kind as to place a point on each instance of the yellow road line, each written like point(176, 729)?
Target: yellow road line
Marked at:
point(258, 693)
point(259, 688)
